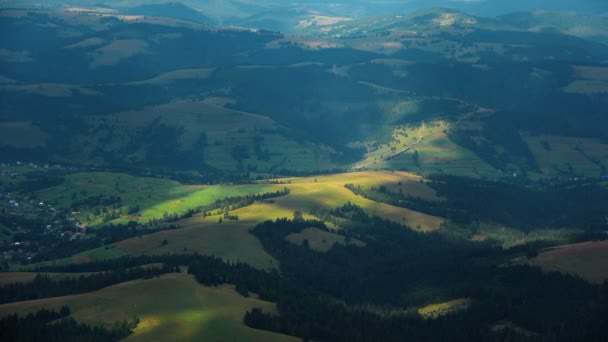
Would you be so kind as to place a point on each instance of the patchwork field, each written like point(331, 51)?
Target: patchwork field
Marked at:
point(172, 307)
point(227, 139)
point(587, 260)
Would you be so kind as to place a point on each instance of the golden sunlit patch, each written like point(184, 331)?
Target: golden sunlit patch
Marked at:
point(445, 308)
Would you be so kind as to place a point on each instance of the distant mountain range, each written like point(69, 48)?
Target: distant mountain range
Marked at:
point(227, 11)
point(435, 91)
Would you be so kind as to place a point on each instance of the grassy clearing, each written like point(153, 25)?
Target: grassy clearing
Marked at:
point(441, 309)
point(170, 77)
point(230, 240)
point(319, 240)
point(511, 237)
point(592, 80)
point(117, 50)
point(16, 277)
point(172, 307)
point(557, 155)
point(587, 260)
point(587, 87)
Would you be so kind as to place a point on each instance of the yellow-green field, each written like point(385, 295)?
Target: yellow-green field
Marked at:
point(172, 307)
point(155, 196)
point(319, 240)
point(587, 260)
point(314, 193)
point(231, 240)
point(445, 308)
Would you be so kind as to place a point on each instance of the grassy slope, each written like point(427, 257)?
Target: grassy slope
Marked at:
point(155, 196)
point(231, 239)
point(225, 128)
point(320, 240)
point(445, 308)
point(587, 260)
point(557, 155)
point(436, 153)
point(172, 307)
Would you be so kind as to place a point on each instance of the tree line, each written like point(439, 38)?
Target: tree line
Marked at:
point(44, 286)
point(51, 325)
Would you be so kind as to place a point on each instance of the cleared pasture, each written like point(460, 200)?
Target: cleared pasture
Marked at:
point(587, 260)
point(425, 149)
point(559, 155)
point(230, 239)
point(319, 240)
point(171, 307)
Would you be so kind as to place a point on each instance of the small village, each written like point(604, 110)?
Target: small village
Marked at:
point(29, 226)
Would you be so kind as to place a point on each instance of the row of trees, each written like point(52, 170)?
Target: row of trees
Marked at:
point(44, 286)
point(51, 326)
point(525, 206)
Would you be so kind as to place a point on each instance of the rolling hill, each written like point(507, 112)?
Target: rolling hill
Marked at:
point(263, 102)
